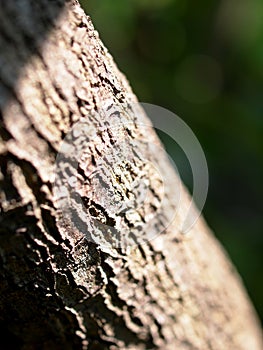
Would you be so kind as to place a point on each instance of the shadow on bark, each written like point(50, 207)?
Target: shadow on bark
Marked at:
point(24, 25)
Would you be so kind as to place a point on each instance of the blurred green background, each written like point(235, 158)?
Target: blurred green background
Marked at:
point(204, 61)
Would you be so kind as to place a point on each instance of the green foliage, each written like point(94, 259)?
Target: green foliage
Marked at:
point(204, 61)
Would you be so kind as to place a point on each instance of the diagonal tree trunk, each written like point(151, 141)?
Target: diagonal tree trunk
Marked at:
point(59, 289)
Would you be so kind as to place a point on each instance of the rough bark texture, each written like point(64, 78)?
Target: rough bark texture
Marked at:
point(58, 289)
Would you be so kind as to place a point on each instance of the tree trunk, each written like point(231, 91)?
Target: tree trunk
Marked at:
point(60, 289)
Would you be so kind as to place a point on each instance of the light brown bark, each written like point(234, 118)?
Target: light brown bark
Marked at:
point(58, 289)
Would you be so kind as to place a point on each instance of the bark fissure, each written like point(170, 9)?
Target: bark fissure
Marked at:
point(60, 289)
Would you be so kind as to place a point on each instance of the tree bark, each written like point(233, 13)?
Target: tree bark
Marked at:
point(59, 289)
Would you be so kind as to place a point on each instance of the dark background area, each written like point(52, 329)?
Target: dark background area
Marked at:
point(204, 61)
